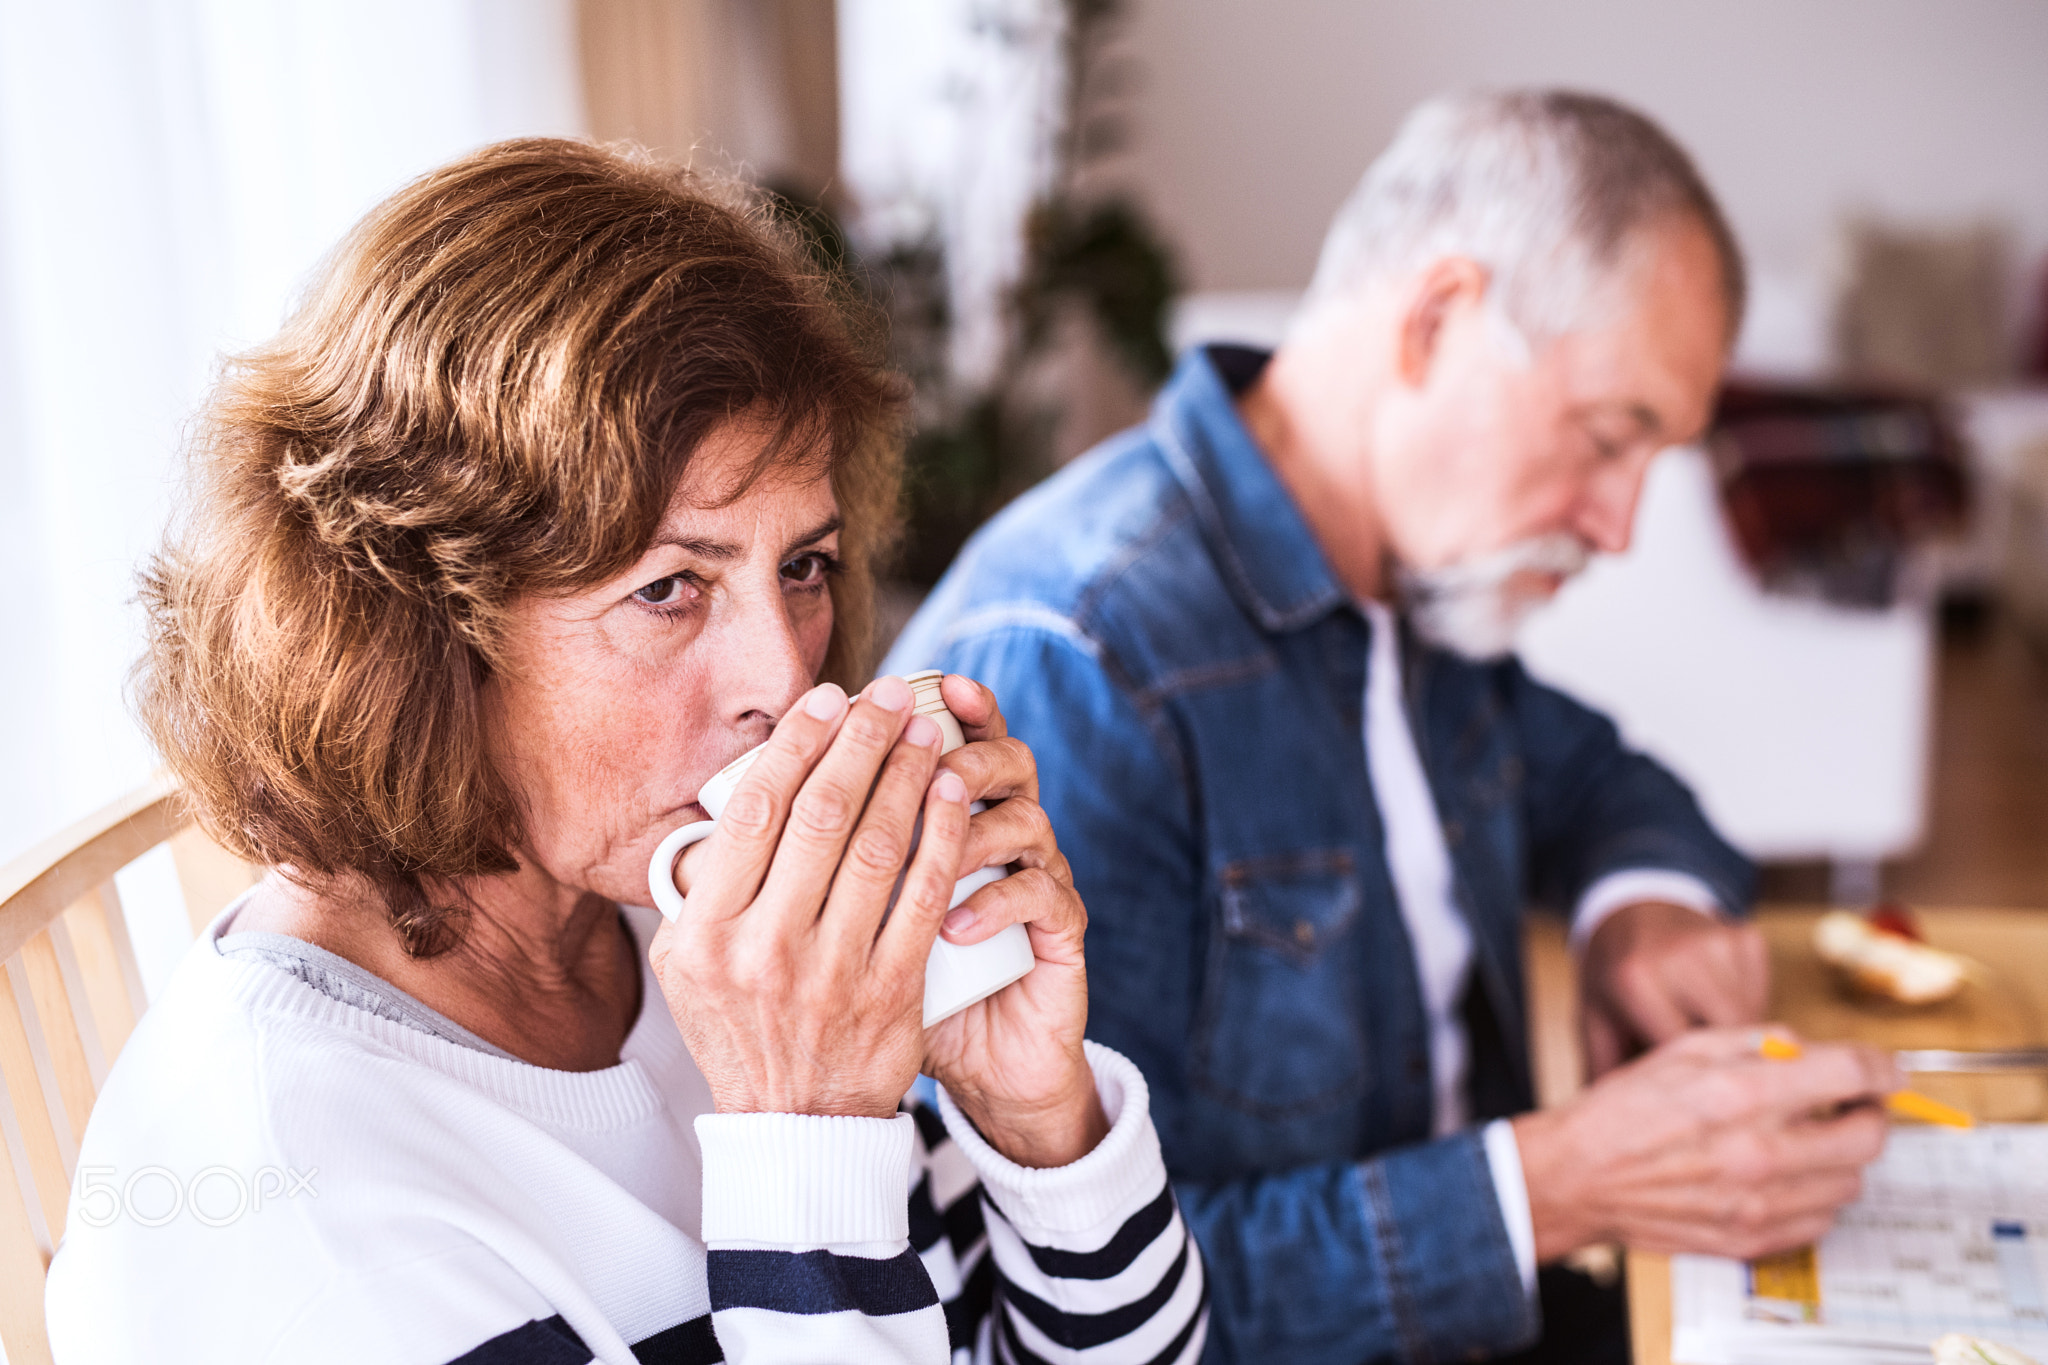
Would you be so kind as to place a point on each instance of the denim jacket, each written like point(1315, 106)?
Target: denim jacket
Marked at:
point(1160, 626)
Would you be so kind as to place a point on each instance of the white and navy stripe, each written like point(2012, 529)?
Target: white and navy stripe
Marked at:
point(1136, 1295)
point(551, 1341)
point(1140, 1296)
point(1088, 1265)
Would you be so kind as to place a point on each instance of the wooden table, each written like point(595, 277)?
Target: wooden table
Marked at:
point(2009, 1009)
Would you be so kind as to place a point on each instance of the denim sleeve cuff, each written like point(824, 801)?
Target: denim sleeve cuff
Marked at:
point(1504, 1160)
point(1454, 1284)
point(1632, 887)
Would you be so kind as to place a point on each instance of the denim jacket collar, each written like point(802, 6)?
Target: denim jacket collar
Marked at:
point(1271, 559)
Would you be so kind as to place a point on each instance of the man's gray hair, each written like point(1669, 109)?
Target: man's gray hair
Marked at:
point(1547, 189)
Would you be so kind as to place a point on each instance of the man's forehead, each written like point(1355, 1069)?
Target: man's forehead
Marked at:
point(1656, 365)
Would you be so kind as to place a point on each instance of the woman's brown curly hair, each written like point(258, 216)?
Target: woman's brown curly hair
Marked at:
point(491, 392)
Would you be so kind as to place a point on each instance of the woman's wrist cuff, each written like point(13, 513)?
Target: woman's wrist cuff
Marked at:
point(1123, 1174)
point(805, 1180)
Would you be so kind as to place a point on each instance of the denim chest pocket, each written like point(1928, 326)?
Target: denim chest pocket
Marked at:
point(1279, 1033)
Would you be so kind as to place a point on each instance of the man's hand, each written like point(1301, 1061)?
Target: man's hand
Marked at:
point(1653, 970)
point(1704, 1146)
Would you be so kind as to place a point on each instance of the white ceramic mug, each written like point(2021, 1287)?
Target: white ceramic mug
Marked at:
point(954, 976)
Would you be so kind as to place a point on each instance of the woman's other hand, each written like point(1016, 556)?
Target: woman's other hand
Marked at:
point(1013, 1062)
point(791, 992)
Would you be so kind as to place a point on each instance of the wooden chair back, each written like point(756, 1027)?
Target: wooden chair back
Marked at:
point(70, 994)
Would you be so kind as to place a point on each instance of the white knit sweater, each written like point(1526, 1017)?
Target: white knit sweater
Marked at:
point(273, 1174)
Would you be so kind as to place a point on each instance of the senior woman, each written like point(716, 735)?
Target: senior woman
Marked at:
point(559, 492)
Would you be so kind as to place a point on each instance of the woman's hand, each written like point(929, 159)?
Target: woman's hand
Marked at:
point(792, 994)
point(1013, 1063)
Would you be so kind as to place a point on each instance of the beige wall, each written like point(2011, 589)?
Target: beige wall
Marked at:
point(1258, 115)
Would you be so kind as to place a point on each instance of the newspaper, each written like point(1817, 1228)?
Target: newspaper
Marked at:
point(1951, 1235)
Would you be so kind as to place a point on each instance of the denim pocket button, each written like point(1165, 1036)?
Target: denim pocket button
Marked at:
point(1293, 902)
point(1278, 1033)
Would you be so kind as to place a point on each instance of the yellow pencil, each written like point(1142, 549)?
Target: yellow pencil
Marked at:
point(1911, 1104)
point(1776, 1047)
point(1905, 1104)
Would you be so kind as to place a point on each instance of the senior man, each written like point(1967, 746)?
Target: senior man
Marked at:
point(1261, 647)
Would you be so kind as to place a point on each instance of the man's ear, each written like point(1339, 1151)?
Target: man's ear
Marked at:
point(1435, 296)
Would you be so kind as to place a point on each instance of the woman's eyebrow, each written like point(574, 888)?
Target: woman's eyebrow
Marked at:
point(703, 549)
point(726, 550)
point(823, 529)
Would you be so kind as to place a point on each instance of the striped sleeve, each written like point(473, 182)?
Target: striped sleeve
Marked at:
point(807, 1241)
point(1089, 1263)
point(912, 1240)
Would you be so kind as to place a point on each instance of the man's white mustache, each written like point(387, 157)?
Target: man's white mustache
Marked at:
point(1471, 608)
point(1560, 553)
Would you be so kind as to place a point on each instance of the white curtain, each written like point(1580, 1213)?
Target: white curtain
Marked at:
point(170, 171)
point(948, 111)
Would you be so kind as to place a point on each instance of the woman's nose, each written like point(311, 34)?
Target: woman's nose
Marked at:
point(761, 666)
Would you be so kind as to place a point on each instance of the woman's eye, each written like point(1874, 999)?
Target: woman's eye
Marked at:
point(808, 570)
point(664, 592)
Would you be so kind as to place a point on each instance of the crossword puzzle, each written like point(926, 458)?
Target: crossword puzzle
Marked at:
point(1951, 1235)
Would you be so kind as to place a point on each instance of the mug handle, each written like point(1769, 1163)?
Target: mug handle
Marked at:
point(661, 870)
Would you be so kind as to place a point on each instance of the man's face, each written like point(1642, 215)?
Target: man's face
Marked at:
point(1498, 470)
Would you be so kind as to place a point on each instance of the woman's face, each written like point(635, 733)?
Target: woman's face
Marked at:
point(618, 702)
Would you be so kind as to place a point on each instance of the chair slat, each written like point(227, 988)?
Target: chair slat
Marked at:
point(60, 1031)
point(209, 875)
point(69, 877)
point(1551, 975)
point(124, 947)
point(21, 1280)
point(92, 921)
point(32, 1112)
point(35, 888)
